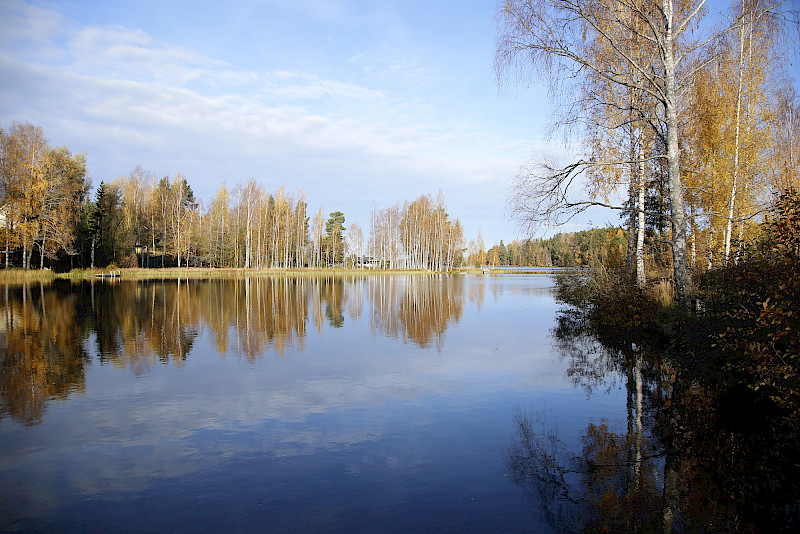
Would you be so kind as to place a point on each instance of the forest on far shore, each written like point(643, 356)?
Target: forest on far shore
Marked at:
point(596, 246)
point(50, 218)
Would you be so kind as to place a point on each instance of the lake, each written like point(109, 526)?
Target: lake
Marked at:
point(291, 404)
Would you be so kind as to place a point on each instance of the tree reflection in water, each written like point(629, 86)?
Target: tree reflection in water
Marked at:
point(41, 350)
point(138, 325)
point(416, 308)
point(695, 456)
point(612, 484)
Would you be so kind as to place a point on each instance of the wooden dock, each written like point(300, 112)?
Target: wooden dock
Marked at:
point(112, 275)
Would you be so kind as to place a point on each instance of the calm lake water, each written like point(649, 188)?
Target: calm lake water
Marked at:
point(379, 404)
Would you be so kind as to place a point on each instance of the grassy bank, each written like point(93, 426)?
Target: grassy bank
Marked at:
point(14, 275)
point(726, 371)
point(743, 322)
point(227, 273)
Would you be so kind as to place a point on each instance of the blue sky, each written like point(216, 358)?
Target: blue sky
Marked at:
point(356, 102)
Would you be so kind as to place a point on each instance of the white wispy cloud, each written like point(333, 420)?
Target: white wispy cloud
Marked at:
point(126, 99)
point(304, 85)
point(31, 32)
point(120, 52)
point(125, 77)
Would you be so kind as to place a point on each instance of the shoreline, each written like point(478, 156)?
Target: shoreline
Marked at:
point(32, 275)
point(17, 275)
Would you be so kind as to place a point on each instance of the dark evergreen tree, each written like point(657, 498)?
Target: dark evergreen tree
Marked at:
point(105, 225)
point(502, 254)
point(334, 237)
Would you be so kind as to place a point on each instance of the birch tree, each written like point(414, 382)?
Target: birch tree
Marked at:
point(135, 191)
point(317, 238)
point(24, 146)
point(65, 191)
point(560, 37)
point(354, 242)
point(248, 199)
point(162, 196)
point(41, 191)
point(300, 229)
point(218, 227)
point(732, 146)
point(181, 205)
point(786, 172)
point(756, 38)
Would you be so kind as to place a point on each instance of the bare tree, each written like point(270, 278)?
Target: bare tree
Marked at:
point(134, 194)
point(317, 235)
point(589, 42)
point(248, 202)
point(355, 242)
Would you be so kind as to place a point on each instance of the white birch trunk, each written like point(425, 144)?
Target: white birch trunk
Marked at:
point(677, 209)
point(734, 183)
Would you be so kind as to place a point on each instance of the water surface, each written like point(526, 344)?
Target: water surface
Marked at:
point(382, 403)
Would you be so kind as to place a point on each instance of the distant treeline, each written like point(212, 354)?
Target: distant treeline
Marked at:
point(48, 218)
point(574, 249)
